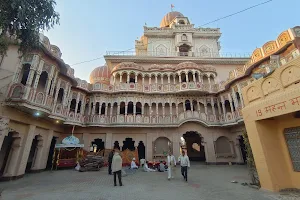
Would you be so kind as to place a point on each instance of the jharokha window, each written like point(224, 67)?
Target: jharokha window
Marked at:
point(292, 137)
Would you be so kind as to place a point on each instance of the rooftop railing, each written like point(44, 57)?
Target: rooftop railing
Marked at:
point(180, 54)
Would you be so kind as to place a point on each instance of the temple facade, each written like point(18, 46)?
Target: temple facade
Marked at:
point(176, 90)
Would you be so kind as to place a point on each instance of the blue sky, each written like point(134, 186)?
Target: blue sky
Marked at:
point(87, 30)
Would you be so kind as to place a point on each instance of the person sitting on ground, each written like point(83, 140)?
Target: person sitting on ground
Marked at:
point(133, 165)
point(161, 167)
point(147, 169)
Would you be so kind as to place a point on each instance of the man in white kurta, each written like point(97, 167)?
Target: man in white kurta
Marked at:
point(171, 162)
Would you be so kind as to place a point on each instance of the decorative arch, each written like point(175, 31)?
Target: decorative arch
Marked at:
point(223, 147)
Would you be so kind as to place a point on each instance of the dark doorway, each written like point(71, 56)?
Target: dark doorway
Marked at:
point(99, 143)
point(4, 152)
point(141, 150)
point(243, 148)
point(51, 152)
point(194, 147)
point(128, 143)
point(116, 145)
point(32, 153)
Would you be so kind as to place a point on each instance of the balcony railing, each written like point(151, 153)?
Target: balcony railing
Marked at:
point(158, 120)
point(180, 54)
point(158, 88)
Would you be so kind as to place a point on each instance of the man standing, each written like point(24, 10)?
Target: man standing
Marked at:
point(185, 164)
point(110, 157)
point(171, 165)
point(117, 168)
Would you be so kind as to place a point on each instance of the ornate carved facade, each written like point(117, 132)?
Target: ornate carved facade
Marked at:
point(176, 81)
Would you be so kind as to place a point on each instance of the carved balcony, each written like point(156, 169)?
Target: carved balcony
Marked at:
point(157, 88)
point(20, 95)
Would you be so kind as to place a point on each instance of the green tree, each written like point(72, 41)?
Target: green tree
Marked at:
point(22, 20)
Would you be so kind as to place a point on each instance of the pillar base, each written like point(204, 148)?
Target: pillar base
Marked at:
point(11, 178)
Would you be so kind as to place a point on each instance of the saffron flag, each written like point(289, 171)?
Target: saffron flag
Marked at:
point(172, 6)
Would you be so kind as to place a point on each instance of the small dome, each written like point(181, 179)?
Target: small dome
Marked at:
point(168, 18)
point(70, 140)
point(100, 75)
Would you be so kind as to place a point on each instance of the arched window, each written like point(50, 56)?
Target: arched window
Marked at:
point(223, 147)
point(79, 107)
point(73, 105)
point(184, 37)
point(60, 95)
point(187, 105)
point(122, 108)
point(102, 109)
point(42, 81)
point(138, 108)
point(97, 108)
point(184, 49)
point(130, 108)
point(24, 73)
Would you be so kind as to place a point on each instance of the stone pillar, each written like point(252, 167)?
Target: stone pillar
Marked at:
point(219, 108)
point(198, 105)
point(77, 101)
point(168, 78)
point(149, 147)
point(199, 78)
point(108, 141)
point(135, 79)
point(174, 79)
point(241, 97)
point(177, 112)
point(150, 111)
point(134, 109)
point(231, 105)
point(205, 109)
point(121, 78)
point(105, 112)
point(150, 80)
point(86, 141)
point(163, 109)
point(179, 78)
point(224, 110)
point(212, 106)
point(128, 78)
point(111, 109)
point(186, 77)
point(42, 156)
point(28, 84)
point(94, 108)
point(143, 81)
point(156, 79)
point(162, 79)
point(176, 148)
point(156, 111)
point(19, 153)
point(194, 77)
point(126, 106)
point(236, 103)
point(56, 94)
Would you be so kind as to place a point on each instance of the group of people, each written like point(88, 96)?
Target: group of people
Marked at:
point(115, 165)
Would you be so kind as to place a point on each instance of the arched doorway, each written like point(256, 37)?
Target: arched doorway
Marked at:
point(32, 153)
point(99, 143)
point(4, 152)
point(51, 152)
point(116, 145)
point(162, 146)
point(243, 148)
point(193, 145)
point(128, 143)
point(141, 150)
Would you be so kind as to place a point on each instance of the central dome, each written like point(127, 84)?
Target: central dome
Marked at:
point(101, 75)
point(168, 18)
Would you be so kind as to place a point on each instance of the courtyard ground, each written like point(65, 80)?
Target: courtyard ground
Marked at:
point(205, 182)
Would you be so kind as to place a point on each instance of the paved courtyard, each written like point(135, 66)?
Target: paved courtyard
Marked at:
point(205, 182)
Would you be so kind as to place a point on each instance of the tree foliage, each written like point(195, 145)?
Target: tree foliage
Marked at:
point(250, 160)
point(22, 20)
